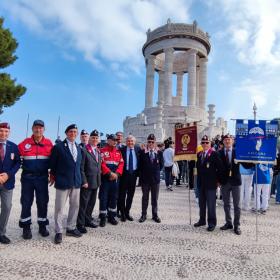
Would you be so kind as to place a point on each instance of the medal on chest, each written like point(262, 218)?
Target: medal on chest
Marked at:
point(207, 164)
point(230, 173)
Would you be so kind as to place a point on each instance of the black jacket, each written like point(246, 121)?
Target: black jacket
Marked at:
point(235, 178)
point(91, 169)
point(209, 170)
point(150, 171)
point(137, 152)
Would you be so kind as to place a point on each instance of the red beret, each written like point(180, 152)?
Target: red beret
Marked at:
point(4, 125)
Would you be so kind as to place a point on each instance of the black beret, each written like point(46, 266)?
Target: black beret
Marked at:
point(227, 136)
point(151, 137)
point(71, 126)
point(83, 132)
point(94, 133)
point(39, 122)
point(111, 136)
point(205, 138)
point(4, 125)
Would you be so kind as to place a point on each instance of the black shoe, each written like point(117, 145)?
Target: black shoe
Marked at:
point(112, 221)
point(142, 219)
point(123, 218)
point(226, 227)
point(199, 224)
point(82, 229)
point(157, 219)
point(4, 239)
point(102, 222)
point(73, 232)
point(119, 215)
point(58, 238)
point(237, 230)
point(211, 228)
point(26, 233)
point(128, 217)
point(43, 231)
point(91, 225)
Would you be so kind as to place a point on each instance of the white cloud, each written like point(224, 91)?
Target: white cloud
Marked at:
point(102, 30)
point(253, 26)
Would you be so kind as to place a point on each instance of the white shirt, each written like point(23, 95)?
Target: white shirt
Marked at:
point(73, 148)
point(168, 157)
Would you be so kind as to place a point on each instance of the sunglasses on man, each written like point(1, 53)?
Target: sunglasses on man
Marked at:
point(151, 141)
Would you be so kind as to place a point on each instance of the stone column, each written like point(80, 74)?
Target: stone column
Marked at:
point(203, 83)
point(197, 86)
point(168, 69)
point(160, 88)
point(192, 78)
point(179, 93)
point(150, 74)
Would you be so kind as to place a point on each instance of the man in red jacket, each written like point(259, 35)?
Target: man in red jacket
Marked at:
point(111, 168)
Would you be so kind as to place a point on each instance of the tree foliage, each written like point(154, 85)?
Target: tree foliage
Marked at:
point(10, 92)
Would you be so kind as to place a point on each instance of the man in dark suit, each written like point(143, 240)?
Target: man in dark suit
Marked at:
point(91, 181)
point(150, 163)
point(130, 154)
point(231, 183)
point(9, 165)
point(65, 163)
point(209, 170)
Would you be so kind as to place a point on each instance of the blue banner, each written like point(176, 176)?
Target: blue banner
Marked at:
point(256, 141)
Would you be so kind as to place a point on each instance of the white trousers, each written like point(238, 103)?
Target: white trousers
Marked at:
point(246, 191)
point(261, 196)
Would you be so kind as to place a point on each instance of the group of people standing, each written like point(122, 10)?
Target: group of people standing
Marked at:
point(77, 172)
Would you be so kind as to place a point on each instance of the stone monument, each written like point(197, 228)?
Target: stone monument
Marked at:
point(175, 49)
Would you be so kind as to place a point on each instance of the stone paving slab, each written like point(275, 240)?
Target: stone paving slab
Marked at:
point(171, 250)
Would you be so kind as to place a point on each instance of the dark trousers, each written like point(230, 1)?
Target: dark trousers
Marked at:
point(108, 197)
point(168, 176)
point(191, 165)
point(235, 191)
point(146, 189)
point(87, 203)
point(126, 192)
point(207, 198)
point(39, 185)
point(180, 165)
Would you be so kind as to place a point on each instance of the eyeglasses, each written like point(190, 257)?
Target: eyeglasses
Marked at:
point(205, 142)
point(151, 141)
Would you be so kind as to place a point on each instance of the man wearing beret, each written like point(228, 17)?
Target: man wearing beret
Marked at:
point(65, 162)
point(91, 180)
point(209, 170)
point(84, 137)
point(35, 152)
point(231, 184)
point(9, 165)
point(151, 163)
point(112, 168)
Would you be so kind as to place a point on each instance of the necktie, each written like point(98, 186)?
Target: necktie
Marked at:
point(2, 155)
point(74, 151)
point(227, 156)
point(96, 154)
point(130, 162)
point(151, 156)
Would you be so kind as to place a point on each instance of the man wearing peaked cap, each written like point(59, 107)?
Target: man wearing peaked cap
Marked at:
point(209, 169)
point(65, 163)
point(112, 168)
point(9, 165)
point(35, 152)
point(91, 180)
point(151, 163)
point(84, 137)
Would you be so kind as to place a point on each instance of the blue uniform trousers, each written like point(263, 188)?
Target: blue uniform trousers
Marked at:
point(108, 197)
point(29, 185)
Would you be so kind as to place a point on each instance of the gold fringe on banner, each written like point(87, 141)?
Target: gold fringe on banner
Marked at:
point(185, 157)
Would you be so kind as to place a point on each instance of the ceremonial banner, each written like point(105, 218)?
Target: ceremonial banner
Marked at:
point(256, 141)
point(185, 143)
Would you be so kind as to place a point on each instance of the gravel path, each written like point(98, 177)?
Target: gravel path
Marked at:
point(170, 250)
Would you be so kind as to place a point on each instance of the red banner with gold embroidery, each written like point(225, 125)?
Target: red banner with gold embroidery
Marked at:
point(185, 143)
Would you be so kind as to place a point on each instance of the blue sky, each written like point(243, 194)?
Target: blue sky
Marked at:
point(82, 60)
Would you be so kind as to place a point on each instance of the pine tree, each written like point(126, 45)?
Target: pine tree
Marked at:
point(10, 92)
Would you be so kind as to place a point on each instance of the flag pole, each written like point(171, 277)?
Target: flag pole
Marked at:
point(27, 125)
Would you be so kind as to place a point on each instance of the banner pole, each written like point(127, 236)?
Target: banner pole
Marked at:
point(27, 125)
point(256, 201)
point(188, 182)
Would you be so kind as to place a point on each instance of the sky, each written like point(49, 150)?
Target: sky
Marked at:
point(82, 59)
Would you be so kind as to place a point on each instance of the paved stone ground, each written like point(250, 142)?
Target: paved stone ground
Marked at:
point(170, 250)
